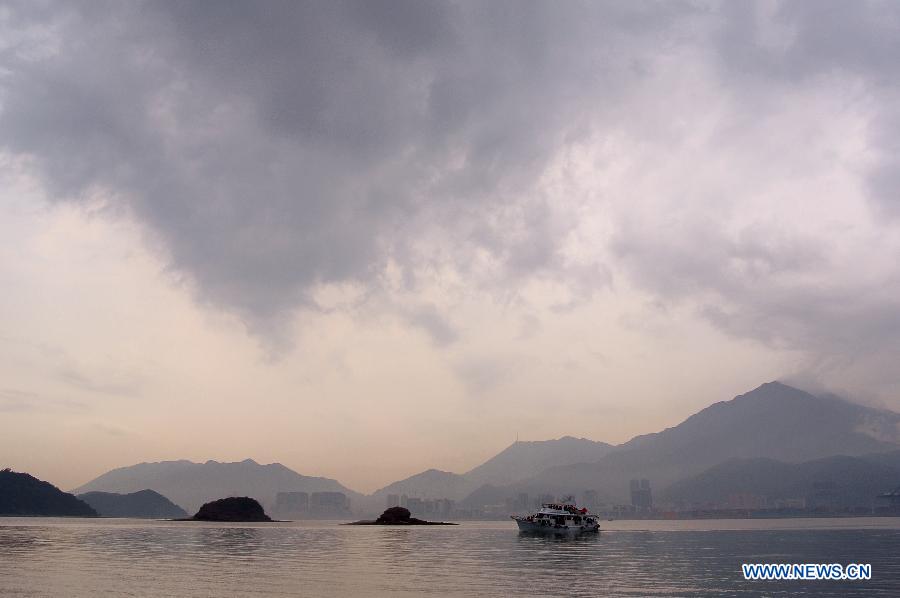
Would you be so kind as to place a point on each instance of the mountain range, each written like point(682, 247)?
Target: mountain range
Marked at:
point(518, 461)
point(772, 427)
point(523, 460)
point(144, 504)
point(838, 481)
point(190, 484)
point(432, 483)
point(773, 421)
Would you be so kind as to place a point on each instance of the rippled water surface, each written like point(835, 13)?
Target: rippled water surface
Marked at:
point(59, 557)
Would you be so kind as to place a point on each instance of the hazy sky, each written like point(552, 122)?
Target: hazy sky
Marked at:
point(368, 238)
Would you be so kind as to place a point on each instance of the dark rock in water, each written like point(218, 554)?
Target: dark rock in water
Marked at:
point(235, 508)
point(398, 516)
point(145, 504)
point(395, 516)
point(25, 495)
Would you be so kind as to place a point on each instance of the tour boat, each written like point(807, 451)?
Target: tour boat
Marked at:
point(554, 518)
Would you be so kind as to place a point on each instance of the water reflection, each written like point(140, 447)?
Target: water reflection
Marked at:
point(188, 559)
point(559, 538)
point(230, 540)
point(16, 542)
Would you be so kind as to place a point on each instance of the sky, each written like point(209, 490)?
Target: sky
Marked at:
point(368, 238)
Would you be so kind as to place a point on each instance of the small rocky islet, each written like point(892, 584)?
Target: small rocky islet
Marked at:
point(235, 509)
point(398, 516)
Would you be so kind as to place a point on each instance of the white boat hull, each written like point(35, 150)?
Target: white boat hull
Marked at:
point(537, 528)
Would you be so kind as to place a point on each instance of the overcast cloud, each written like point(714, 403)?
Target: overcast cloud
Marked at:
point(280, 146)
point(272, 148)
point(735, 161)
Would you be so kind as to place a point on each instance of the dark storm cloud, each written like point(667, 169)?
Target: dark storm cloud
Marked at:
point(274, 146)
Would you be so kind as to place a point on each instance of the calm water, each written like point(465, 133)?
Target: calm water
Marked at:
point(58, 557)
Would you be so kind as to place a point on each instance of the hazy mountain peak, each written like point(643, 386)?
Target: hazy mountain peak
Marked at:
point(520, 460)
point(768, 388)
point(775, 390)
point(523, 459)
point(774, 408)
point(773, 421)
point(191, 484)
point(431, 483)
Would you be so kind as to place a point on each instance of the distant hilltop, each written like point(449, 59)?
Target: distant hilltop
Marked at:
point(23, 495)
point(190, 484)
point(144, 504)
point(518, 461)
point(774, 421)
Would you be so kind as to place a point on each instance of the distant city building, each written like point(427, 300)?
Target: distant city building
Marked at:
point(824, 495)
point(522, 503)
point(329, 504)
point(590, 499)
point(291, 504)
point(500, 511)
point(328, 499)
point(790, 503)
point(430, 507)
point(404, 500)
point(893, 497)
point(416, 506)
point(890, 500)
point(641, 497)
point(393, 500)
point(746, 501)
point(444, 507)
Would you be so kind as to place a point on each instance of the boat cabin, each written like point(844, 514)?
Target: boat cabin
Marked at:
point(562, 515)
